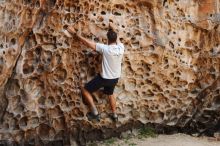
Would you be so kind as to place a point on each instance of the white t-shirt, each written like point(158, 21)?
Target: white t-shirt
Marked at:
point(111, 60)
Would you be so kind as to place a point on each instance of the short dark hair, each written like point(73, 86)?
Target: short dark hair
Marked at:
point(112, 36)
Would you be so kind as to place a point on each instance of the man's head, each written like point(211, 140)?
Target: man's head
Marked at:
point(112, 36)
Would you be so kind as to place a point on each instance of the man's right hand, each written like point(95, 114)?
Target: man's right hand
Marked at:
point(111, 26)
point(72, 30)
point(87, 42)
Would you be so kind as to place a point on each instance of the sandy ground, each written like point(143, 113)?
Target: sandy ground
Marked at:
point(162, 140)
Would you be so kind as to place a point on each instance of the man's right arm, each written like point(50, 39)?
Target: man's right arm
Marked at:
point(87, 42)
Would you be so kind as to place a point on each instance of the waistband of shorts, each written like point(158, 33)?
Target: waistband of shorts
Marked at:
point(107, 79)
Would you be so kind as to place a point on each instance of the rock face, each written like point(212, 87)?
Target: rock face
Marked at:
point(170, 68)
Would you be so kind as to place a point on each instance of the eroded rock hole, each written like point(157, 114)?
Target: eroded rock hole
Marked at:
point(171, 44)
point(38, 50)
point(117, 13)
point(42, 100)
point(128, 34)
point(151, 47)
point(50, 101)
point(60, 75)
point(52, 3)
point(19, 109)
point(47, 55)
point(13, 41)
point(212, 69)
point(37, 4)
point(27, 69)
point(1, 64)
point(23, 122)
point(100, 19)
point(103, 13)
point(43, 131)
point(13, 88)
point(77, 112)
point(40, 68)
point(65, 26)
point(26, 2)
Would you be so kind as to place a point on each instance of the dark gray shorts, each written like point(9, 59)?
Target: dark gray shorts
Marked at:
point(99, 82)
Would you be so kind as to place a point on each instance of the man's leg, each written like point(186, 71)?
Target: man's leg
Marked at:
point(109, 90)
point(89, 100)
point(112, 101)
point(89, 88)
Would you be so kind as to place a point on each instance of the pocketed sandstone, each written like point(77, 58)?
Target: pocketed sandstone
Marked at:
point(170, 68)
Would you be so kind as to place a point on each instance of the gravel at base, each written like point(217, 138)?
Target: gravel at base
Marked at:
point(162, 140)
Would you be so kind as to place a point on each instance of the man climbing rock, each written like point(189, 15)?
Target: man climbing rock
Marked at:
point(112, 55)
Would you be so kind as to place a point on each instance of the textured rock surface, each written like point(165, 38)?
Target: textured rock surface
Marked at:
point(170, 68)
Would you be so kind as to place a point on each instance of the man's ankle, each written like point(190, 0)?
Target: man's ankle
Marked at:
point(114, 114)
point(94, 111)
point(114, 117)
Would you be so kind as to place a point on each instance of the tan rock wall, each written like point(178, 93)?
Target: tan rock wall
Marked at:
point(170, 67)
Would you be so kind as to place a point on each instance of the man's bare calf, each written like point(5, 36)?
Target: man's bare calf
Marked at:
point(89, 100)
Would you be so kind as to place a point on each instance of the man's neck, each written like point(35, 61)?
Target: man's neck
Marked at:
point(112, 43)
